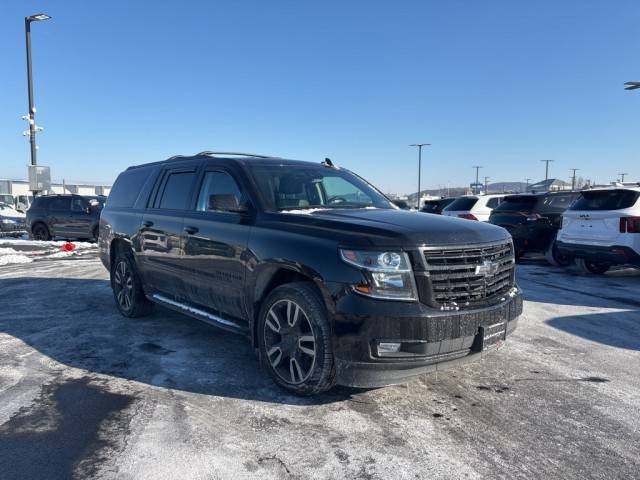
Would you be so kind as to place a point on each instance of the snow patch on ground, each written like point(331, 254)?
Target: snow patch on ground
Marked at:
point(13, 258)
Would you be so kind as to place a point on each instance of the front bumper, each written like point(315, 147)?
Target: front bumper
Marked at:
point(430, 340)
point(615, 254)
point(13, 227)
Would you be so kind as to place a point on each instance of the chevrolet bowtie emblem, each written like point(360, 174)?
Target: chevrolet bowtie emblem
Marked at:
point(487, 267)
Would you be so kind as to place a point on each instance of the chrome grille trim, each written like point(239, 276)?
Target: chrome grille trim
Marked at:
point(452, 277)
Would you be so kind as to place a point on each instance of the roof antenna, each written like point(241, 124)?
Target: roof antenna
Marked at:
point(327, 162)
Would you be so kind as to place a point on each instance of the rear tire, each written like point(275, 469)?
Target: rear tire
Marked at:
point(127, 287)
point(554, 257)
point(592, 267)
point(295, 339)
point(40, 232)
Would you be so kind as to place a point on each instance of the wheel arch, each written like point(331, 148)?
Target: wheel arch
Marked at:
point(271, 276)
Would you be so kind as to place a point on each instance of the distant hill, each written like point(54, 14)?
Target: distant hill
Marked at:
point(498, 187)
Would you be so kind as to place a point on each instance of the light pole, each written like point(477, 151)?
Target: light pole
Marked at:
point(477, 167)
point(526, 188)
point(573, 178)
point(622, 175)
point(486, 183)
point(31, 118)
point(419, 145)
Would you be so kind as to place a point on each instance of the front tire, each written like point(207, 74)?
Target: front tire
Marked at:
point(40, 232)
point(592, 267)
point(127, 287)
point(555, 258)
point(294, 339)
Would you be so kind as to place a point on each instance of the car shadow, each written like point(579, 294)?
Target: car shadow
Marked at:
point(617, 329)
point(75, 322)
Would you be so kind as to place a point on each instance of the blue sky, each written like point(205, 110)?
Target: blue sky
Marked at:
point(501, 84)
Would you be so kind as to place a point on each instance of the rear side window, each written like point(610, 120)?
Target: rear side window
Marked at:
point(517, 204)
point(494, 202)
point(177, 191)
point(219, 192)
point(606, 200)
point(127, 188)
point(462, 203)
point(59, 203)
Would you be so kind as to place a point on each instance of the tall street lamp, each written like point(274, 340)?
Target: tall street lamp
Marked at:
point(526, 188)
point(419, 145)
point(39, 17)
point(486, 185)
point(622, 175)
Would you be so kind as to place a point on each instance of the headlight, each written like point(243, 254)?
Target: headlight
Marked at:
point(388, 274)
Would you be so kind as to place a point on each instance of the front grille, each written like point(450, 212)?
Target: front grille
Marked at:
point(454, 278)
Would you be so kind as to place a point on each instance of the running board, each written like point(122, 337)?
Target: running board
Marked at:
point(200, 314)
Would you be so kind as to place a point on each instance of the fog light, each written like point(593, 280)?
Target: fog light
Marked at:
point(388, 347)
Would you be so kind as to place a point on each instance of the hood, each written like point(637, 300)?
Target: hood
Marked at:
point(12, 214)
point(386, 227)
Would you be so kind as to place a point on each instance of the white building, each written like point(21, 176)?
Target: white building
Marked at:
point(21, 187)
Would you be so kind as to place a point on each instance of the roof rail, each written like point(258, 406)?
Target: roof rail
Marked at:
point(239, 154)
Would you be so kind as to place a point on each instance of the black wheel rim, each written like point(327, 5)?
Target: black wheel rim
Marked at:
point(289, 341)
point(123, 285)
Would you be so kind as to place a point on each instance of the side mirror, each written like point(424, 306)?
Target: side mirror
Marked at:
point(227, 203)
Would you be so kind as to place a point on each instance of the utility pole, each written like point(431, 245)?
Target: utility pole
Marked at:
point(546, 171)
point(31, 117)
point(622, 175)
point(486, 185)
point(477, 167)
point(419, 145)
point(573, 178)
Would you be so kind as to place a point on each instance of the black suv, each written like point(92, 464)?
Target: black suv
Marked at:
point(67, 216)
point(533, 221)
point(330, 281)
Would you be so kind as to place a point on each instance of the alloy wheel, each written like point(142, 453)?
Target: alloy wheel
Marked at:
point(289, 341)
point(123, 285)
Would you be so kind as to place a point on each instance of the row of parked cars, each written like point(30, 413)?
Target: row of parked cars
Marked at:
point(329, 281)
point(595, 228)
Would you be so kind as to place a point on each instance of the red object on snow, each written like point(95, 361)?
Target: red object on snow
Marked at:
point(68, 247)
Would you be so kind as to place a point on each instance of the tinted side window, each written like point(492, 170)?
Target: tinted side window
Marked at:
point(127, 188)
point(494, 202)
point(218, 186)
point(77, 204)
point(177, 191)
point(59, 203)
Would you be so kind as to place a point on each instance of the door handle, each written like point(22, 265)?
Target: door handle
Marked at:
point(191, 230)
point(147, 223)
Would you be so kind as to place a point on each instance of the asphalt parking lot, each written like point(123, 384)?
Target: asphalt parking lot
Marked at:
point(86, 393)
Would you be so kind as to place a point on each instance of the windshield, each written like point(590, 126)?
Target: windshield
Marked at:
point(296, 187)
point(606, 200)
point(6, 199)
point(517, 204)
point(462, 203)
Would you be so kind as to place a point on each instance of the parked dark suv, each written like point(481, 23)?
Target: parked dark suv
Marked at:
point(67, 216)
point(329, 281)
point(533, 221)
